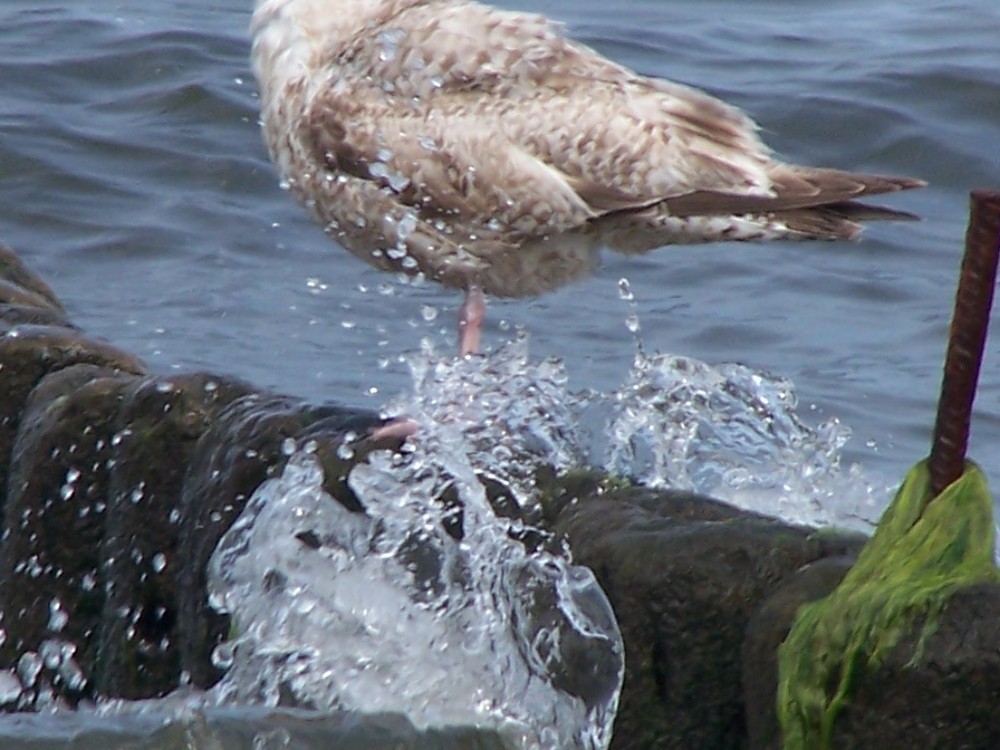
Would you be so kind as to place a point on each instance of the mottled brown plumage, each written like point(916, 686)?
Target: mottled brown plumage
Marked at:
point(484, 149)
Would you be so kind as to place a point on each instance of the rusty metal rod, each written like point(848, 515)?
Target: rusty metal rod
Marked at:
point(966, 339)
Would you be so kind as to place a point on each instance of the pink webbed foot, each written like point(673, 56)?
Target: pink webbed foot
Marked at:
point(394, 429)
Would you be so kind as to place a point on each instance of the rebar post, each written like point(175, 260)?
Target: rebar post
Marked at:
point(966, 340)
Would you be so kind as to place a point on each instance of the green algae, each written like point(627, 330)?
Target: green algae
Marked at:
point(921, 552)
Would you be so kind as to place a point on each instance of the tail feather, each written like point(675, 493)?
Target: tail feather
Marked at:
point(797, 188)
point(838, 221)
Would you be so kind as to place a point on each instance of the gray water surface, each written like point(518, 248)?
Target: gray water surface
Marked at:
point(133, 178)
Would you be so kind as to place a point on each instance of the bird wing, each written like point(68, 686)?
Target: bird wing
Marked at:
point(452, 166)
point(493, 116)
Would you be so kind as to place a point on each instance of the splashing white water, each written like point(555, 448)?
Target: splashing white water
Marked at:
point(732, 432)
point(431, 604)
point(434, 603)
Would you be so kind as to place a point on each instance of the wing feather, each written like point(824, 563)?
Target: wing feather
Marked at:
point(469, 77)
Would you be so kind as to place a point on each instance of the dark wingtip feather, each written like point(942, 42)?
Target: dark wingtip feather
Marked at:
point(857, 211)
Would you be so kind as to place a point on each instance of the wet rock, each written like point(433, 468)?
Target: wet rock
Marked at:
point(157, 426)
point(939, 693)
point(239, 729)
point(12, 316)
point(51, 583)
point(27, 354)
point(18, 296)
point(942, 693)
point(765, 633)
point(19, 285)
point(685, 575)
point(24, 298)
point(120, 487)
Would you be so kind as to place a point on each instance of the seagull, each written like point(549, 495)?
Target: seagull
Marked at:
point(485, 150)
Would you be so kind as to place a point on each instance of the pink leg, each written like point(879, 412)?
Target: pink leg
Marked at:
point(470, 320)
point(396, 429)
point(470, 326)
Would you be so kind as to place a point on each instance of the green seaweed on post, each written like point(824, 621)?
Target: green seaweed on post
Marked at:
point(924, 549)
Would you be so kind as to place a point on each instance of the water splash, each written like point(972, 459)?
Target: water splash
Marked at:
point(438, 603)
point(443, 602)
point(508, 414)
point(732, 432)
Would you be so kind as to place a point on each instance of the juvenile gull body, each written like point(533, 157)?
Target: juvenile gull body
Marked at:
point(485, 150)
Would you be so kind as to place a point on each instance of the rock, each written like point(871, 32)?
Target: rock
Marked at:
point(19, 285)
point(157, 427)
point(51, 583)
point(685, 575)
point(940, 694)
point(12, 316)
point(766, 631)
point(120, 487)
point(28, 354)
point(239, 729)
point(926, 580)
point(943, 694)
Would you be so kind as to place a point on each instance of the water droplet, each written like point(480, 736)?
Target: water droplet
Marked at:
point(10, 687)
point(57, 615)
point(389, 41)
point(137, 494)
point(223, 655)
point(28, 668)
point(70, 671)
point(117, 438)
point(159, 562)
